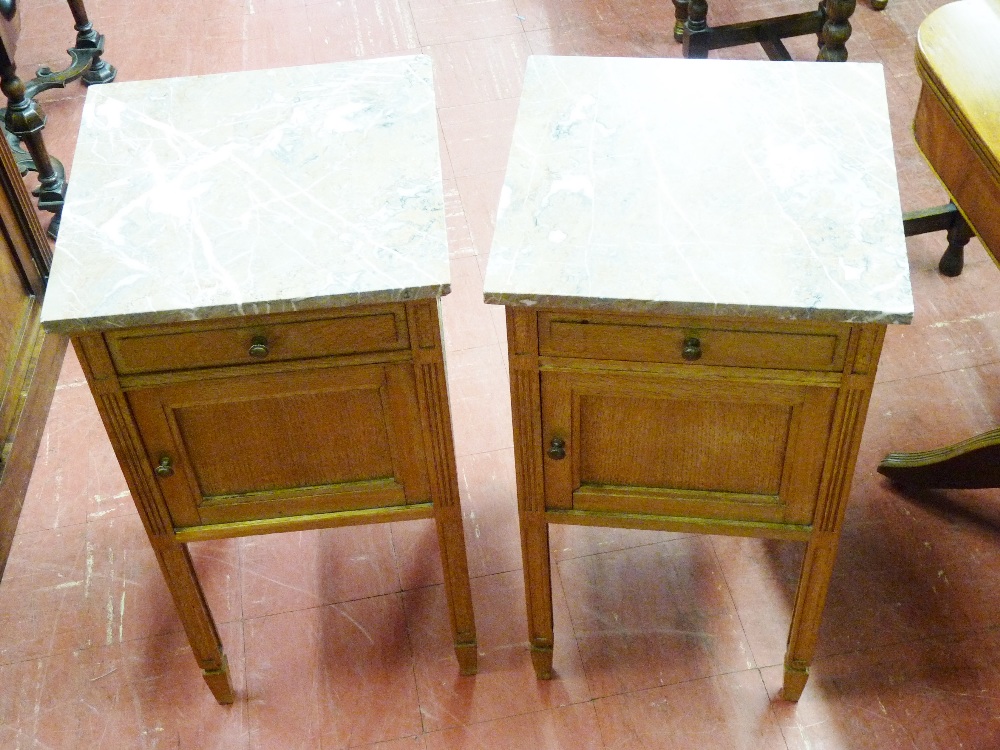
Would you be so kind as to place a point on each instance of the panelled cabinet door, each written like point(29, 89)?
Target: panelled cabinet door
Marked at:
point(684, 446)
point(286, 443)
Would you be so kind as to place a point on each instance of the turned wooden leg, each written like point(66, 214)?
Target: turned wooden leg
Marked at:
point(538, 587)
point(817, 567)
point(680, 16)
point(25, 120)
point(456, 583)
point(175, 562)
point(696, 30)
point(959, 234)
point(836, 29)
point(87, 38)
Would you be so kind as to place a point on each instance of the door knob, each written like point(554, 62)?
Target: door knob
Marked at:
point(557, 449)
point(692, 349)
point(165, 467)
point(258, 347)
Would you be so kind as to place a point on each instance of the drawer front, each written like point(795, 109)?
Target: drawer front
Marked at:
point(247, 341)
point(801, 346)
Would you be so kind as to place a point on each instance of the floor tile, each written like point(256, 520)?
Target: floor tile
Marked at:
point(76, 475)
point(478, 136)
point(358, 29)
point(146, 693)
point(653, 615)
point(479, 70)
point(43, 595)
point(929, 695)
point(489, 516)
point(303, 569)
point(467, 319)
point(566, 728)
point(443, 21)
point(728, 711)
point(506, 684)
point(333, 677)
point(479, 394)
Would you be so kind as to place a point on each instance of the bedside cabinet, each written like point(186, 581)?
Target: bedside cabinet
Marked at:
point(694, 330)
point(254, 297)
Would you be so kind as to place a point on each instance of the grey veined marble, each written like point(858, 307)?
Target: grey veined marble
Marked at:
point(252, 192)
point(702, 187)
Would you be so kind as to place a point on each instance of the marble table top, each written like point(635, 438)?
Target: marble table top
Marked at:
point(252, 192)
point(706, 187)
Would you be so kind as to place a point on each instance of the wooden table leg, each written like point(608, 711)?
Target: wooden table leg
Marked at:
point(538, 587)
point(87, 38)
point(810, 598)
point(432, 393)
point(680, 17)
point(175, 563)
point(456, 583)
point(836, 29)
point(696, 31)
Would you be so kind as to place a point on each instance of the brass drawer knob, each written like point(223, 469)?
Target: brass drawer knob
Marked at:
point(258, 347)
point(165, 468)
point(692, 349)
point(557, 449)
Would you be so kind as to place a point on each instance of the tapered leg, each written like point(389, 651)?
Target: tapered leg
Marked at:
point(538, 588)
point(836, 30)
point(456, 579)
point(175, 562)
point(817, 567)
point(432, 393)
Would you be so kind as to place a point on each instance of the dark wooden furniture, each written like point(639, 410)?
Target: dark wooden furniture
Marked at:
point(830, 22)
point(23, 119)
point(31, 356)
point(957, 129)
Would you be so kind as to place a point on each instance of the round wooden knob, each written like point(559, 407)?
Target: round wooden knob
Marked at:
point(258, 347)
point(692, 349)
point(557, 449)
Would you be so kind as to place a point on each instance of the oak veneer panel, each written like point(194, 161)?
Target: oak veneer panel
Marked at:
point(648, 340)
point(264, 446)
point(197, 346)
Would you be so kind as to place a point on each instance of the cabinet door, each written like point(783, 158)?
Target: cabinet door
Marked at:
point(686, 447)
point(285, 444)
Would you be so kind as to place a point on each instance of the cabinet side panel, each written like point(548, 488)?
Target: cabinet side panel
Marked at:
point(124, 436)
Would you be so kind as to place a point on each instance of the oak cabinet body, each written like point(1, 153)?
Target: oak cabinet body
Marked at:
point(714, 425)
point(252, 281)
point(235, 427)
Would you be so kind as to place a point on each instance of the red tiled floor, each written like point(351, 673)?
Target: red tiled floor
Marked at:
point(340, 638)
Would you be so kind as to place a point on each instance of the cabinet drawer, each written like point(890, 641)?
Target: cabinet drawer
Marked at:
point(249, 340)
point(800, 346)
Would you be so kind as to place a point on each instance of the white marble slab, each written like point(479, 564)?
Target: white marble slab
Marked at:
point(252, 192)
point(702, 187)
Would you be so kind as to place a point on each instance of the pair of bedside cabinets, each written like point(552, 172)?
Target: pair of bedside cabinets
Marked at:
point(250, 268)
